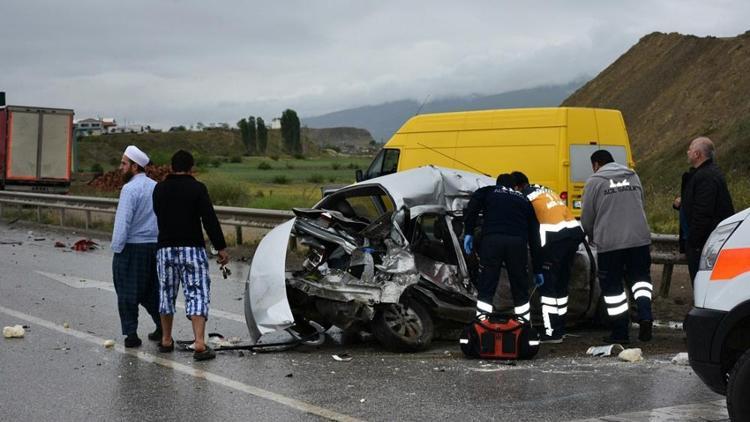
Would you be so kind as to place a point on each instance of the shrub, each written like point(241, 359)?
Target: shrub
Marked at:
point(97, 168)
point(298, 156)
point(335, 166)
point(264, 166)
point(289, 165)
point(114, 161)
point(331, 179)
point(226, 192)
point(280, 180)
point(352, 166)
point(235, 159)
point(275, 157)
point(215, 162)
point(315, 178)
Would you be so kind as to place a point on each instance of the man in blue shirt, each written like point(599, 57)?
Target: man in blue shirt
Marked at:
point(134, 244)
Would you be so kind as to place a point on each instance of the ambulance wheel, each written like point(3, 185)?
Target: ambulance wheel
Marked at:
point(738, 389)
point(403, 327)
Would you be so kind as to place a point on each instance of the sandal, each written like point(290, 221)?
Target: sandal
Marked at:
point(204, 355)
point(165, 349)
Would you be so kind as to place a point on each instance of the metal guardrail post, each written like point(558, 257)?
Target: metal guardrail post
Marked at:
point(62, 217)
point(88, 219)
point(38, 214)
point(666, 280)
point(238, 234)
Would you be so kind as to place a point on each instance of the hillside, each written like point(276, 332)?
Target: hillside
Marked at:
point(383, 120)
point(106, 150)
point(672, 88)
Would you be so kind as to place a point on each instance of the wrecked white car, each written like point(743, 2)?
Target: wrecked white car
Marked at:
point(382, 256)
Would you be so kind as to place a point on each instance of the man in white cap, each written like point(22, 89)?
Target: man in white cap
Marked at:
point(134, 244)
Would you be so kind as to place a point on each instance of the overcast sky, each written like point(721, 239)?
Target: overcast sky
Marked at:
point(180, 62)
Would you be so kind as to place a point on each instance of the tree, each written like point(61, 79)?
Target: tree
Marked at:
point(242, 124)
point(252, 138)
point(290, 132)
point(262, 135)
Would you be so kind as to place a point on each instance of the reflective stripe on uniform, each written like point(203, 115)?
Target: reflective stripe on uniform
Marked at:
point(616, 305)
point(549, 307)
point(522, 309)
point(484, 306)
point(533, 342)
point(554, 228)
point(642, 289)
point(546, 300)
point(463, 341)
point(617, 310)
point(562, 305)
point(610, 300)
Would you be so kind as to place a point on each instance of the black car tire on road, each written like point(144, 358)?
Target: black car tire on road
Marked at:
point(403, 327)
point(738, 389)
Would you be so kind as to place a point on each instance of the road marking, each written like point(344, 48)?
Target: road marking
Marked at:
point(697, 412)
point(188, 370)
point(86, 283)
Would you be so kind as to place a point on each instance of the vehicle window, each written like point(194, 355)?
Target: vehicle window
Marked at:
point(376, 166)
point(580, 159)
point(364, 207)
point(390, 161)
point(432, 239)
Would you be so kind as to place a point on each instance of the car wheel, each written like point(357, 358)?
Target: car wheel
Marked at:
point(738, 389)
point(403, 327)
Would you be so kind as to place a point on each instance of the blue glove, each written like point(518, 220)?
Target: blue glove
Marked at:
point(539, 279)
point(468, 243)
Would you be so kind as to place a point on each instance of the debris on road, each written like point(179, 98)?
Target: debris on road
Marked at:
point(631, 355)
point(681, 359)
point(607, 350)
point(344, 357)
point(59, 244)
point(10, 242)
point(66, 325)
point(109, 344)
point(288, 375)
point(361, 400)
point(15, 331)
point(84, 245)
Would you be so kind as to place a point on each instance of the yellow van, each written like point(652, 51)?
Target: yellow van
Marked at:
point(551, 145)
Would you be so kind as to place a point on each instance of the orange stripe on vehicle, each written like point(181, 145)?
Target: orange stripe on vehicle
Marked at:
point(731, 263)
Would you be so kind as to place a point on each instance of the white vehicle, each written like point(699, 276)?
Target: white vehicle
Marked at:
point(718, 327)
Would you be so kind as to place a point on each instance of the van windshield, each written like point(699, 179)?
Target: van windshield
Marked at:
point(580, 159)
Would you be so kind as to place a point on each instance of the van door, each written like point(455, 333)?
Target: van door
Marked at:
point(386, 162)
point(580, 170)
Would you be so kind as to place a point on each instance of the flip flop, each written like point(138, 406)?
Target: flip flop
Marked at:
point(165, 349)
point(205, 355)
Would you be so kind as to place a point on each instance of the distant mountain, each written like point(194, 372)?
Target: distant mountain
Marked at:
point(384, 119)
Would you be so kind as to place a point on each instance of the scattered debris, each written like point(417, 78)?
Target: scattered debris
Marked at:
point(681, 359)
point(109, 344)
point(15, 331)
point(84, 245)
point(344, 357)
point(288, 375)
point(59, 244)
point(112, 181)
point(39, 239)
point(607, 350)
point(631, 355)
point(66, 325)
point(10, 242)
point(361, 400)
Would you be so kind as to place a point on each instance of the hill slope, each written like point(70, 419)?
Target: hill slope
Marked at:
point(383, 120)
point(672, 88)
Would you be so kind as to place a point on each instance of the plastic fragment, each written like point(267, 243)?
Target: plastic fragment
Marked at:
point(681, 359)
point(342, 357)
point(631, 355)
point(109, 344)
point(15, 331)
point(607, 350)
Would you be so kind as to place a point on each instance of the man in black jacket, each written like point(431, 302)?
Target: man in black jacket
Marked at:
point(509, 226)
point(704, 200)
point(181, 204)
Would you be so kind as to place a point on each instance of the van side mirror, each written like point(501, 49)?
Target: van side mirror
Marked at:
point(358, 175)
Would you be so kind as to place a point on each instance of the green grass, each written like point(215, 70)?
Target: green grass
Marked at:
point(294, 170)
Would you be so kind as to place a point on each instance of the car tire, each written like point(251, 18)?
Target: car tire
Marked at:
point(738, 389)
point(403, 327)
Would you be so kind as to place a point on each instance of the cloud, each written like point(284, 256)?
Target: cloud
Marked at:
point(176, 62)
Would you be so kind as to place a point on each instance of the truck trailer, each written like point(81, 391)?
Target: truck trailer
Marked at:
point(35, 148)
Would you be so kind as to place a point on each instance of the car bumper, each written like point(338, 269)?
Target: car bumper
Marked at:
point(701, 326)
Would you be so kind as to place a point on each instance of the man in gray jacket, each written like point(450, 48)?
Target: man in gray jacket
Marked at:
point(614, 219)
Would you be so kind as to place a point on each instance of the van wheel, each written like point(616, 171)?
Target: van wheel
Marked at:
point(738, 389)
point(403, 327)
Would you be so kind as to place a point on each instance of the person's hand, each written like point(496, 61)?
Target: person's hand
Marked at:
point(677, 202)
point(223, 257)
point(539, 279)
point(468, 243)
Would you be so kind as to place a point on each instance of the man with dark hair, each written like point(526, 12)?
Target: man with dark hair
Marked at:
point(559, 234)
point(134, 245)
point(509, 226)
point(181, 204)
point(703, 202)
point(614, 218)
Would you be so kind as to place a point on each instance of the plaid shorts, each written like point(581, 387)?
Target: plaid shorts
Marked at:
point(187, 265)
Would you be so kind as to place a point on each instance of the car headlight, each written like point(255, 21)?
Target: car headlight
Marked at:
point(714, 244)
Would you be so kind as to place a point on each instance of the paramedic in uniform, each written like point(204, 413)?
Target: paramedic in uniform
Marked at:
point(559, 234)
point(509, 226)
point(614, 219)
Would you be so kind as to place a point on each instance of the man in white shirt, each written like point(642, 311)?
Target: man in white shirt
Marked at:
point(134, 246)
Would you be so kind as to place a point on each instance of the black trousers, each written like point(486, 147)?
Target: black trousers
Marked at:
point(495, 251)
point(558, 261)
point(135, 280)
point(693, 256)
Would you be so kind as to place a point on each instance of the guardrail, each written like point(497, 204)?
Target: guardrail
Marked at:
point(229, 216)
point(665, 247)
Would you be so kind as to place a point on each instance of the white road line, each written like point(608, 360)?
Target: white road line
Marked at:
point(697, 412)
point(188, 370)
point(83, 283)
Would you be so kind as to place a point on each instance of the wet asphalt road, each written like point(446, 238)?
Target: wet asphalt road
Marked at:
point(57, 373)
